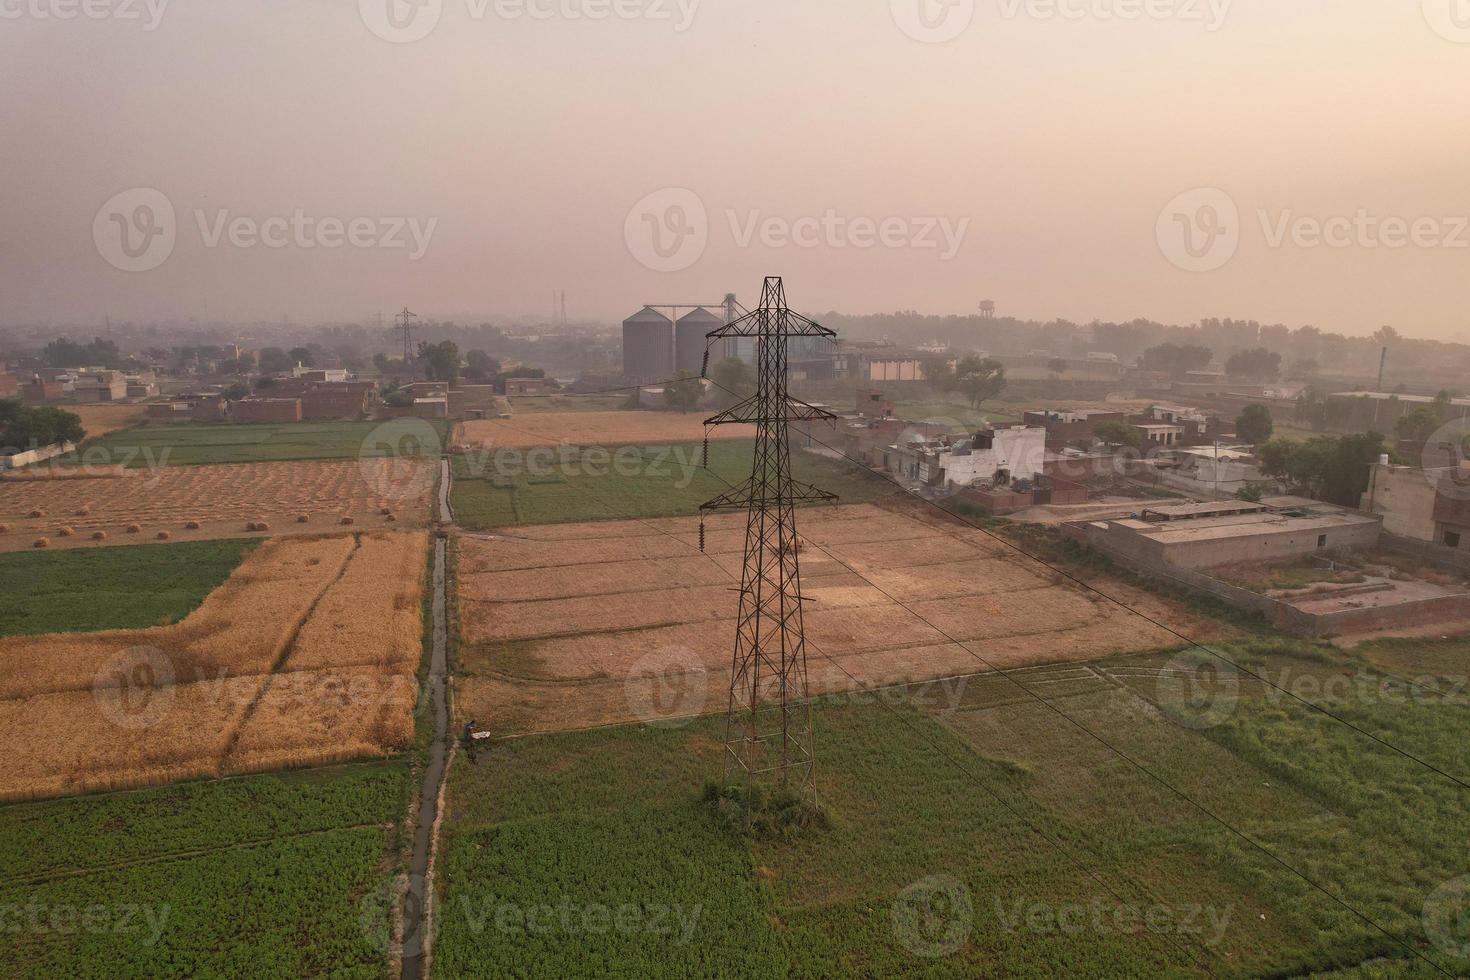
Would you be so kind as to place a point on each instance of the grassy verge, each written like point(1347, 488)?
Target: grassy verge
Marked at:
point(264, 875)
point(82, 591)
point(624, 482)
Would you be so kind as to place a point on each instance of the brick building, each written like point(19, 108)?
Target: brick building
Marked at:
point(266, 410)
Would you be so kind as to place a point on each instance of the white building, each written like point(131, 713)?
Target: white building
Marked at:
point(996, 456)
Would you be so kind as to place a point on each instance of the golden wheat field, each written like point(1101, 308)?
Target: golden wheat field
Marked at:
point(108, 506)
point(569, 626)
point(306, 655)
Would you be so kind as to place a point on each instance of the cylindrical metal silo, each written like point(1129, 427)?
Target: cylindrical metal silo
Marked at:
point(648, 347)
point(689, 339)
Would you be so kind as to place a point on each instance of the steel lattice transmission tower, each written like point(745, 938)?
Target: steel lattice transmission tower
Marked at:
point(768, 732)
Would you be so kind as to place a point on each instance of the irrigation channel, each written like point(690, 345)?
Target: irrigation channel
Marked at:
point(417, 901)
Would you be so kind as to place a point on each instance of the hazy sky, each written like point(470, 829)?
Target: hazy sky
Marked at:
point(1031, 158)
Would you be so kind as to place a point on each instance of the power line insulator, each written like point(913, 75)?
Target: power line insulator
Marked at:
point(704, 368)
point(701, 535)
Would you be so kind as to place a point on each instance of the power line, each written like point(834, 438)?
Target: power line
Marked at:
point(1055, 569)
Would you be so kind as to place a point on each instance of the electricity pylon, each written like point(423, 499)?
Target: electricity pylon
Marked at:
point(768, 731)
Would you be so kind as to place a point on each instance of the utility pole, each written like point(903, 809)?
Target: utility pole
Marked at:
point(768, 727)
point(404, 320)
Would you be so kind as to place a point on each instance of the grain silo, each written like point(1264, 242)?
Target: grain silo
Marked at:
point(690, 335)
point(648, 347)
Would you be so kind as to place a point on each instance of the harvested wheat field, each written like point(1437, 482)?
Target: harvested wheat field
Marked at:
point(568, 626)
point(591, 429)
point(199, 502)
point(98, 420)
point(306, 655)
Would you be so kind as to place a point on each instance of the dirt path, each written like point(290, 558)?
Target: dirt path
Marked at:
point(417, 922)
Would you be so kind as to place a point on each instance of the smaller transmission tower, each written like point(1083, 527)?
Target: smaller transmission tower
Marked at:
point(768, 730)
point(404, 320)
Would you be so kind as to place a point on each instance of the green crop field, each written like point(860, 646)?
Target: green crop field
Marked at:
point(1033, 850)
point(82, 591)
point(168, 444)
point(519, 487)
point(260, 876)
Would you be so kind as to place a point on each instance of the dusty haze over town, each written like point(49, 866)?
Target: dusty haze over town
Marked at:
point(1031, 158)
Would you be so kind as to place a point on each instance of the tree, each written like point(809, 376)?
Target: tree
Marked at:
point(480, 366)
point(1056, 367)
point(1332, 468)
point(245, 363)
point(1418, 426)
point(441, 361)
point(734, 377)
point(22, 427)
point(273, 360)
point(684, 394)
point(1311, 408)
point(1258, 364)
point(938, 372)
point(979, 378)
point(1176, 360)
point(1254, 425)
point(68, 353)
point(1303, 368)
point(236, 391)
point(1118, 434)
point(301, 355)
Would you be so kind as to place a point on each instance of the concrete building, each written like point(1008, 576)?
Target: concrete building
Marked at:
point(1212, 471)
point(100, 386)
point(347, 400)
point(1427, 505)
point(648, 347)
point(333, 375)
point(531, 386)
point(1066, 428)
point(266, 410)
point(1000, 456)
point(690, 337)
point(1208, 535)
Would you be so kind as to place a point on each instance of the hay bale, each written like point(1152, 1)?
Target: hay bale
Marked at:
point(163, 535)
point(65, 531)
point(385, 511)
point(191, 525)
point(302, 518)
point(99, 535)
point(257, 526)
point(4, 528)
point(132, 529)
point(41, 543)
point(345, 521)
point(38, 512)
point(389, 518)
point(83, 511)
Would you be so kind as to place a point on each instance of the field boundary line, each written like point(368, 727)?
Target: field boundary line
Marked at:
point(287, 649)
point(42, 877)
